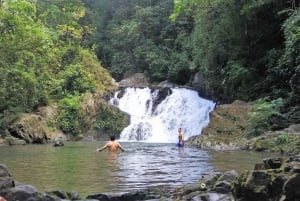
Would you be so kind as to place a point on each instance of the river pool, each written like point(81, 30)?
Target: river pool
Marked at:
point(78, 167)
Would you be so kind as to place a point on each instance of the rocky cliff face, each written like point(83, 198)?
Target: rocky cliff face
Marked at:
point(40, 127)
point(226, 128)
point(33, 128)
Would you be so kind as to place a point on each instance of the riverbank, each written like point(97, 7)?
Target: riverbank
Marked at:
point(227, 130)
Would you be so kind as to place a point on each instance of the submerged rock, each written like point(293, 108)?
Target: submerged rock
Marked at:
point(58, 142)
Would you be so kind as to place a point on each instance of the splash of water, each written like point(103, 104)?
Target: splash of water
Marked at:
point(153, 121)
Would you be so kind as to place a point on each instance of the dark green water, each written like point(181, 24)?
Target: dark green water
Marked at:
point(78, 167)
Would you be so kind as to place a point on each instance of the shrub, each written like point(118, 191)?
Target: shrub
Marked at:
point(263, 115)
point(69, 117)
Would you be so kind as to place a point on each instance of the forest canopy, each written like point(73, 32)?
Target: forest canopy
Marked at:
point(57, 50)
point(240, 50)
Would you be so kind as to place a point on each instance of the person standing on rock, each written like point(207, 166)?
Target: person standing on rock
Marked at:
point(112, 146)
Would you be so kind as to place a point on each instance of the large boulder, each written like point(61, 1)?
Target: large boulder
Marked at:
point(32, 128)
point(136, 80)
point(225, 130)
point(291, 187)
point(24, 193)
point(274, 179)
point(6, 180)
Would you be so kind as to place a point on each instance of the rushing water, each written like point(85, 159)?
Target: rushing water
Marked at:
point(152, 122)
point(78, 167)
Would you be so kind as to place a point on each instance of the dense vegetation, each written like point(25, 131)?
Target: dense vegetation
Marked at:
point(245, 50)
point(57, 50)
point(43, 59)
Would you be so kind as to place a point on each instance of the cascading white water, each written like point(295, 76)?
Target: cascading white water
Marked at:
point(181, 108)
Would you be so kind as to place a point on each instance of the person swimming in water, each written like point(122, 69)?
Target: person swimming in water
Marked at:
point(180, 138)
point(112, 146)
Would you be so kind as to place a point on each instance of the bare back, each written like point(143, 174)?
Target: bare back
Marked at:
point(112, 146)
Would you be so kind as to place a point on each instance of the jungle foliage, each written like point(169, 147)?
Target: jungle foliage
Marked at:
point(43, 59)
point(244, 50)
point(57, 50)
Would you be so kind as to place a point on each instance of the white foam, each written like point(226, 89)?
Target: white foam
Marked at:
point(182, 108)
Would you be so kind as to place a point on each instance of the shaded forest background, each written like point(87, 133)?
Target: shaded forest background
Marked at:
point(59, 50)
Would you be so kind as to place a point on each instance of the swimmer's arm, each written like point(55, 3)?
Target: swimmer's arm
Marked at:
point(102, 148)
point(121, 148)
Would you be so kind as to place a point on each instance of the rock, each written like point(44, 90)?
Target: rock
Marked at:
point(252, 186)
point(228, 176)
point(225, 130)
point(295, 166)
point(291, 187)
point(24, 193)
point(15, 141)
point(6, 180)
point(167, 84)
point(200, 82)
point(136, 80)
point(60, 195)
point(58, 142)
point(124, 196)
point(212, 197)
point(272, 163)
point(223, 187)
point(223, 184)
point(209, 179)
point(31, 128)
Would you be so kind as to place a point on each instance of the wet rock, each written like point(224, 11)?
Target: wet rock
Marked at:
point(228, 176)
point(31, 128)
point(58, 142)
point(295, 166)
point(209, 179)
point(223, 187)
point(252, 186)
point(6, 180)
point(291, 188)
point(212, 197)
point(61, 195)
point(15, 141)
point(277, 182)
point(161, 95)
point(272, 163)
point(226, 129)
point(136, 80)
point(24, 193)
point(124, 196)
point(167, 84)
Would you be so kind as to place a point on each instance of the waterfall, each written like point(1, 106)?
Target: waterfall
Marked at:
point(157, 119)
